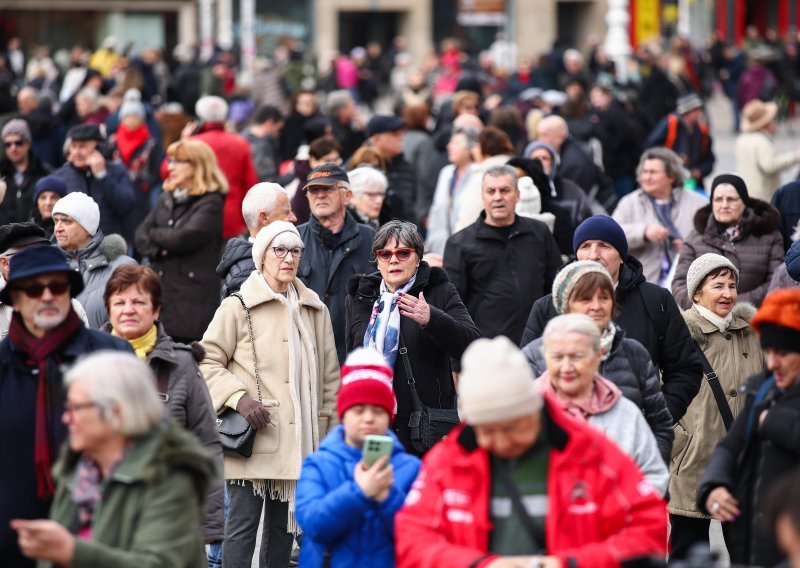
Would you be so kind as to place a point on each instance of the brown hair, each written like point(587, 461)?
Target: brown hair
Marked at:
point(368, 156)
point(143, 277)
point(416, 117)
point(323, 146)
point(208, 178)
point(590, 282)
point(494, 141)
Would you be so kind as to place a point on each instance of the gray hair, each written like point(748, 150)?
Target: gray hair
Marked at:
point(336, 101)
point(404, 231)
point(471, 135)
point(501, 171)
point(260, 197)
point(673, 165)
point(572, 323)
point(364, 177)
point(211, 109)
point(287, 239)
point(115, 379)
point(91, 95)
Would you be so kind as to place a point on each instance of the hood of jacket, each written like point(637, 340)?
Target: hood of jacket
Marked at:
point(367, 285)
point(700, 326)
point(760, 218)
point(236, 251)
point(255, 291)
point(335, 444)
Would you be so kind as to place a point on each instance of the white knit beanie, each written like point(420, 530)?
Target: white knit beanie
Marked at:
point(266, 235)
point(701, 266)
point(80, 208)
point(496, 383)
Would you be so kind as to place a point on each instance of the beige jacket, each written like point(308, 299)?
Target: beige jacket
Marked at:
point(759, 165)
point(635, 212)
point(228, 368)
point(735, 355)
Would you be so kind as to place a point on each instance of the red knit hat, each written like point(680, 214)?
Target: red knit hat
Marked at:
point(777, 321)
point(366, 379)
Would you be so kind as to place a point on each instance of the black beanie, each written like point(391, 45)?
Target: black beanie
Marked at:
point(735, 181)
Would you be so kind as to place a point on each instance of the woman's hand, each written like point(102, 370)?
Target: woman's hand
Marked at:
point(376, 481)
point(415, 308)
point(722, 505)
point(45, 540)
point(254, 412)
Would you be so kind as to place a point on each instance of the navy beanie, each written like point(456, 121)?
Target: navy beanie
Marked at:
point(792, 260)
point(601, 228)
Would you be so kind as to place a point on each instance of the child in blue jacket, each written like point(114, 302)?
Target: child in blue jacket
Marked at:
point(346, 510)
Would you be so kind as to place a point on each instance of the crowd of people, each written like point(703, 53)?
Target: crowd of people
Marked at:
point(568, 343)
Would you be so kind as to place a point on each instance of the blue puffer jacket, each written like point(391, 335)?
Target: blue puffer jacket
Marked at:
point(336, 516)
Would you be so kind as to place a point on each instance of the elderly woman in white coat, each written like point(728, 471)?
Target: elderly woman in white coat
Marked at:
point(573, 352)
point(285, 388)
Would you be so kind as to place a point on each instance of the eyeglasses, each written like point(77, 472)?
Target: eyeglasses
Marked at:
point(281, 252)
point(175, 161)
point(56, 288)
point(72, 407)
point(314, 189)
point(17, 143)
point(402, 254)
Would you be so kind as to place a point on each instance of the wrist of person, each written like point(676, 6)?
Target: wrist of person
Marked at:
point(101, 174)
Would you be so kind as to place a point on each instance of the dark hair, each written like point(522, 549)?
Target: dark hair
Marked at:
point(721, 271)
point(403, 231)
point(323, 146)
point(586, 286)
point(416, 117)
point(494, 141)
point(129, 275)
point(267, 112)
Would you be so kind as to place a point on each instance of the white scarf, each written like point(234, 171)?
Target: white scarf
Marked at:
point(722, 324)
point(383, 330)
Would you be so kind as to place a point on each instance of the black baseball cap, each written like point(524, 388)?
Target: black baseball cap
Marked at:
point(326, 174)
point(384, 123)
point(85, 132)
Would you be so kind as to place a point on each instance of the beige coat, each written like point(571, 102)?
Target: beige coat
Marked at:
point(735, 355)
point(228, 368)
point(759, 165)
point(635, 212)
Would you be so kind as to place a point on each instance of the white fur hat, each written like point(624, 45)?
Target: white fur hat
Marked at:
point(266, 235)
point(80, 208)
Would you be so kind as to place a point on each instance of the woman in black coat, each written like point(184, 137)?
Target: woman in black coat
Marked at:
point(182, 236)
point(764, 441)
point(408, 302)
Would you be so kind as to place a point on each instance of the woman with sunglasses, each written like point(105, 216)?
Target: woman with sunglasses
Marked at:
point(182, 236)
point(270, 355)
point(413, 304)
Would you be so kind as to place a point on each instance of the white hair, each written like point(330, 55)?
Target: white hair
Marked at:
point(115, 379)
point(260, 197)
point(573, 54)
point(211, 109)
point(572, 323)
point(364, 177)
point(287, 239)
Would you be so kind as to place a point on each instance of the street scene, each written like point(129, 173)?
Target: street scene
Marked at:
point(414, 283)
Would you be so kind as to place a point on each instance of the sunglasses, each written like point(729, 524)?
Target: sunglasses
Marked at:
point(402, 254)
point(17, 143)
point(36, 290)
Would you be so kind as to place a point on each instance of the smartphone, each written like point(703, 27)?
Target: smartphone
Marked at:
point(374, 447)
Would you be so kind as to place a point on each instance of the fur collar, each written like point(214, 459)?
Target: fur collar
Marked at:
point(700, 327)
point(759, 219)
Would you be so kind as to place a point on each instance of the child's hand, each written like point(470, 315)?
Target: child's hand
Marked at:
point(376, 481)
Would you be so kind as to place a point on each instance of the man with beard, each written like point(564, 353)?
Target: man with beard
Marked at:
point(46, 336)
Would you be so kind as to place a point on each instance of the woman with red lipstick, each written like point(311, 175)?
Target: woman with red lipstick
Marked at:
point(741, 228)
point(721, 329)
point(763, 443)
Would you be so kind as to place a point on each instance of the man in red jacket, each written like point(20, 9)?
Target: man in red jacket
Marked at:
point(233, 155)
point(522, 484)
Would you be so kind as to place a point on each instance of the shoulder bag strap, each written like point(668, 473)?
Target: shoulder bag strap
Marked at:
point(252, 344)
point(417, 401)
point(716, 389)
point(504, 475)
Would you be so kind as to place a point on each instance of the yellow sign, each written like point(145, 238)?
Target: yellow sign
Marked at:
point(647, 20)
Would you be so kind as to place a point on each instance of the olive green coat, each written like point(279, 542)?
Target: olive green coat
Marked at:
point(734, 355)
point(151, 512)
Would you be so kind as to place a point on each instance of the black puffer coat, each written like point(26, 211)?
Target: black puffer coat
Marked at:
point(648, 314)
point(17, 205)
point(183, 240)
point(448, 333)
point(748, 465)
point(629, 367)
point(235, 265)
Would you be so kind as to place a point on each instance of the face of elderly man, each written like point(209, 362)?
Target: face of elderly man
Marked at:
point(42, 301)
point(509, 439)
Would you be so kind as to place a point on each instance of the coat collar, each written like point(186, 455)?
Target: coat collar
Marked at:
point(484, 231)
point(255, 291)
point(699, 327)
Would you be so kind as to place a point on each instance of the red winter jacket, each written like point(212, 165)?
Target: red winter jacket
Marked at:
point(236, 162)
point(601, 511)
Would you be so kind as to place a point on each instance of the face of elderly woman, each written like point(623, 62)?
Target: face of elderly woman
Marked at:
point(88, 430)
point(571, 361)
point(727, 206)
point(598, 306)
point(397, 272)
point(131, 312)
point(369, 201)
point(280, 264)
point(654, 179)
point(718, 294)
point(181, 172)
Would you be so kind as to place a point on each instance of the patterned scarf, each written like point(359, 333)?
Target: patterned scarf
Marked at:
point(607, 339)
point(383, 331)
point(41, 353)
point(733, 233)
point(87, 491)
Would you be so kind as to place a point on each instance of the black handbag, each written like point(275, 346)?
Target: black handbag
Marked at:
point(428, 425)
point(235, 432)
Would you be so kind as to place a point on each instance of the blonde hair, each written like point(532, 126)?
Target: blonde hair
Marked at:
point(208, 178)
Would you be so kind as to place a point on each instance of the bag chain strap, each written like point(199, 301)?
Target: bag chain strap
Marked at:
point(252, 345)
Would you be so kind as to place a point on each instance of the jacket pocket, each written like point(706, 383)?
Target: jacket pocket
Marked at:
point(268, 439)
point(680, 447)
